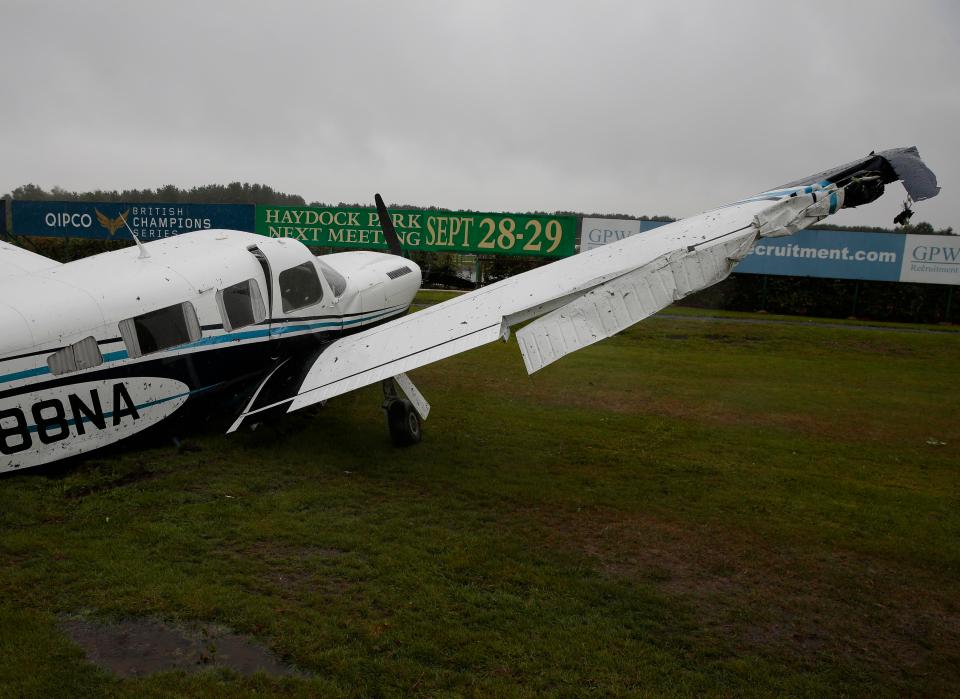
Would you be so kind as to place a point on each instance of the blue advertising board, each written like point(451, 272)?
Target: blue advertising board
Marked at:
point(831, 254)
point(106, 221)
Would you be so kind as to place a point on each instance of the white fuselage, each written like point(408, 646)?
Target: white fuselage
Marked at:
point(96, 350)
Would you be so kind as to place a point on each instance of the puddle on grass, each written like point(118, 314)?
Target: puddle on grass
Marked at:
point(139, 647)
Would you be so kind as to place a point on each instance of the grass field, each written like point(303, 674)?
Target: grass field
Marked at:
point(689, 508)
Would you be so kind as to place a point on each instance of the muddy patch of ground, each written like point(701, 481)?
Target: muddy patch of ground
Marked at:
point(292, 572)
point(139, 647)
point(791, 601)
point(139, 474)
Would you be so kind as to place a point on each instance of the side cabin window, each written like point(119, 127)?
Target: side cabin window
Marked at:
point(241, 305)
point(300, 287)
point(160, 330)
point(336, 280)
point(80, 355)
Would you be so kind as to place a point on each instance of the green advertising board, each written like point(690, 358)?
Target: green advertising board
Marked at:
point(435, 231)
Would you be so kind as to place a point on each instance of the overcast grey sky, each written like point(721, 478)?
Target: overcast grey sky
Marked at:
point(630, 107)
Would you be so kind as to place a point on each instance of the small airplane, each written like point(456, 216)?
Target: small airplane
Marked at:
point(220, 322)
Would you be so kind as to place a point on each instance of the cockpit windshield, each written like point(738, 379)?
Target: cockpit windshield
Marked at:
point(337, 281)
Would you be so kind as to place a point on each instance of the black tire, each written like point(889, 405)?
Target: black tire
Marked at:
point(404, 423)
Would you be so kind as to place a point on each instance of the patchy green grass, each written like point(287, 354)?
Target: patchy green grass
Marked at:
point(741, 315)
point(428, 297)
point(688, 508)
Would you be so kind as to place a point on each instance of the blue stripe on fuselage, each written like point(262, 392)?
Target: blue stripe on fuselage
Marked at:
point(220, 339)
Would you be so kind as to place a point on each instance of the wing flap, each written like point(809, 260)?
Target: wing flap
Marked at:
point(626, 300)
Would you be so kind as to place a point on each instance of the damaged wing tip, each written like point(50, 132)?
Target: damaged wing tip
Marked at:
point(917, 178)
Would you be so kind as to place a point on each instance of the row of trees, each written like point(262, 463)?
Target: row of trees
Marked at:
point(233, 193)
point(832, 298)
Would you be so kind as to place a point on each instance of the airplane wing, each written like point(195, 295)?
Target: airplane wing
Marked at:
point(15, 261)
point(582, 299)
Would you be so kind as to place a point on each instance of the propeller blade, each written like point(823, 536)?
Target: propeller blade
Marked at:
point(389, 232)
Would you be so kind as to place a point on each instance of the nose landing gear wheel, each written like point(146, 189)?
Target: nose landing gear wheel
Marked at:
point(404, 423)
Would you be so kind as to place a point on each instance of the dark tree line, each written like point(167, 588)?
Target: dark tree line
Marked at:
point(831, 298)
point(919, 228)
point(233, 193)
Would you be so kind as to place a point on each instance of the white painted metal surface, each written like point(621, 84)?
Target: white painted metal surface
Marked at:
point(416, 398)
point(62, 421)
point(15, 261)
point(618, 304)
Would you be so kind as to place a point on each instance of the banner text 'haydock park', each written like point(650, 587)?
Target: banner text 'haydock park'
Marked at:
point(434, 231)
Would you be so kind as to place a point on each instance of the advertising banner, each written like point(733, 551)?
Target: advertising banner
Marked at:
point(106, 221)
point(833, 254)
point(596, 232)
point(931, 259)
point(435, 231)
